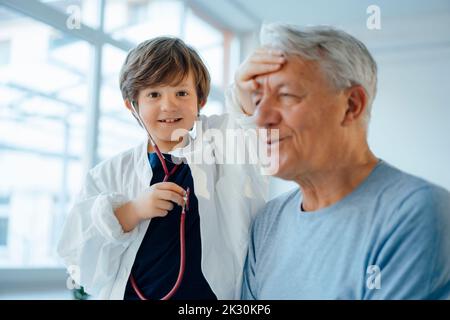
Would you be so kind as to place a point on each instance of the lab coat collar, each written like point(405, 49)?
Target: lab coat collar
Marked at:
point(142, 165)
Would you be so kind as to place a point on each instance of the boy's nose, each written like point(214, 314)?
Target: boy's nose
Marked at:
point(168, 105)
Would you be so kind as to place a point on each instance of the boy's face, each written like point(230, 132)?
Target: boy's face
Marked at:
point(165, 109)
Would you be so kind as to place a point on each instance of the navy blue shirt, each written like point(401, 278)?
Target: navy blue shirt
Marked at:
point(157, 262)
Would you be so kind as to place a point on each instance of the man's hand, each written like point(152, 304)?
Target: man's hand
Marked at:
point(260, 62)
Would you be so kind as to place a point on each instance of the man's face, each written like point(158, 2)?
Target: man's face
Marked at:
point(308, 112)
point(165, 109)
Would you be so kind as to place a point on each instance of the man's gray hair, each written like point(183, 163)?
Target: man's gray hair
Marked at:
point(344, 59)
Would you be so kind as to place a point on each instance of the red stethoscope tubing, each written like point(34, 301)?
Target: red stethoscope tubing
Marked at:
point(167, 175)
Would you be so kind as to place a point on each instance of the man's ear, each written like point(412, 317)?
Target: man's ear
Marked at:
point(356, 104)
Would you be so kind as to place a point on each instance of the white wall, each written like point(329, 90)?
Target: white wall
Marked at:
point(410, 127)
point(412, 130)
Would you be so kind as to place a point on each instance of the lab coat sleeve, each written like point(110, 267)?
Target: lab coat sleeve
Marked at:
point(244, 180)
point(241, 188)
point(92, 240)
point(234, 109)
point(254, 184)
point(233, 118)
point(256, 178)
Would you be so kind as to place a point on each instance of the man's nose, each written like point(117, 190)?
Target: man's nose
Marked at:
point(267, 114)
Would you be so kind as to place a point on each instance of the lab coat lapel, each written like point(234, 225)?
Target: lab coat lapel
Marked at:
point(142, 166)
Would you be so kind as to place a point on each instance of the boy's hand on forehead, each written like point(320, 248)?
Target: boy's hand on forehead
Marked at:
point(262, 61)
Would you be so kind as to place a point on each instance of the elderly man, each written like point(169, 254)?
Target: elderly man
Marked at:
point(357, 227)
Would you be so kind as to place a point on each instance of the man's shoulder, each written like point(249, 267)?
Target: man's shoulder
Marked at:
point(425, 202)
point(406, 187)
point(413, 199)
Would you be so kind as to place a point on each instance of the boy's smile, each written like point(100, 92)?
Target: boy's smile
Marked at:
point(170, 120)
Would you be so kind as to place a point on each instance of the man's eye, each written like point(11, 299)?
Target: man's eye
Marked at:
point(154, 95)
point(290, 96)
point(182, 94)
point(256, 98)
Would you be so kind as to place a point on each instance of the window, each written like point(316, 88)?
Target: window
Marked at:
point(45, 103)
point(210, 44)
point(118, 130)
point(5, 52)
point(137, 12)
point(137, 21)
point(87, 10)
point(43, 97)
point(3, 231)
point(4, 209)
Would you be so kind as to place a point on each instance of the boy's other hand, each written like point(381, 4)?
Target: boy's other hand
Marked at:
point(157, 201)
point(260, 62)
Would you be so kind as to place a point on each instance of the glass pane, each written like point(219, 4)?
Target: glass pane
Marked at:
point(85, 11)
point(208, 41)
point(118, 129)
point(213, 58)
point(43, 97)
point(212, 107)
point(137, 21)
point(200, 34)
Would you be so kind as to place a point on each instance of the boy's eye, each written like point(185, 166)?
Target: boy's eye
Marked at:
point(182, 94)
point(153, 94)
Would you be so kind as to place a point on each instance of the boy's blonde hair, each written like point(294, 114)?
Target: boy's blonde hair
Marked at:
point(162, 61)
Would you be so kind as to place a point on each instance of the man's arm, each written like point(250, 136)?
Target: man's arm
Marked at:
point(249, 280)
point(414, 258)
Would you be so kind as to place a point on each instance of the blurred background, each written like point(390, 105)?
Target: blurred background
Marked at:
point(61, 110)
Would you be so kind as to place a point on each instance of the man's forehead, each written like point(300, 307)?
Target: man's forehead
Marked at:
point(294, 72)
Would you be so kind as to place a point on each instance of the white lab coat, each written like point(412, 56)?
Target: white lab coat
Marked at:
point(229, 196)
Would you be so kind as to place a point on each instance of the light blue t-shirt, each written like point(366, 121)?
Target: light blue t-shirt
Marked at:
point(388, 239)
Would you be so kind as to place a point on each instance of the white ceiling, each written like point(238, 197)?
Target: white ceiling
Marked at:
point(247, 15)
